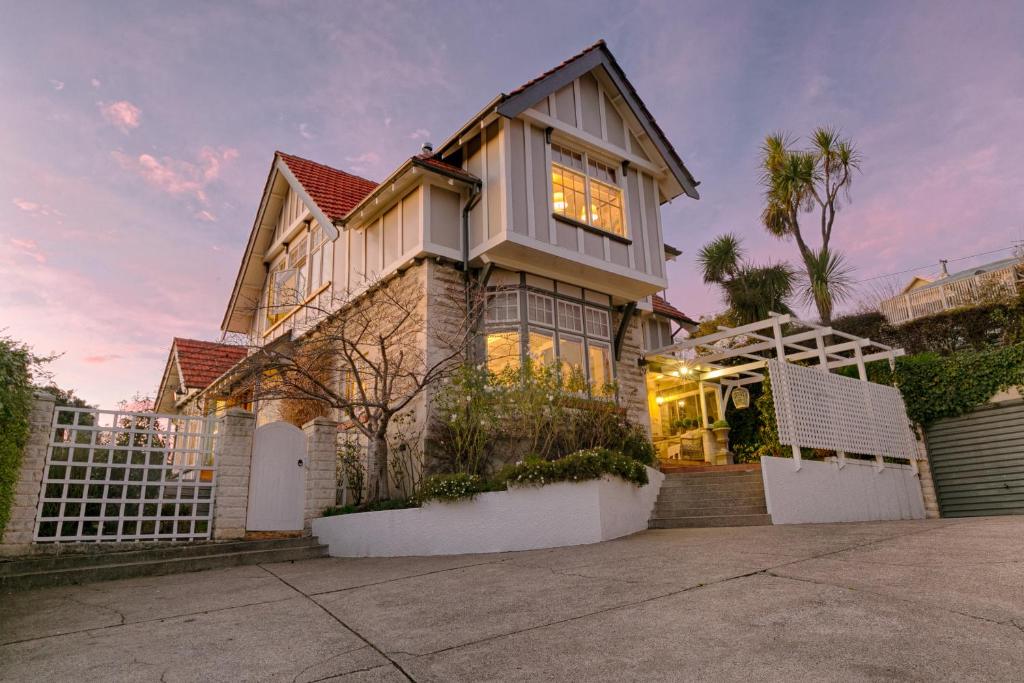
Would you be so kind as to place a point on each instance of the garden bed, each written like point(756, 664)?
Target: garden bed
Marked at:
point(521, 518)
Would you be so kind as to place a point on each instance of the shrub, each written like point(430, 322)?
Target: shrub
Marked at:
point(719, 424)
point(583, 465)
point(454, 486)
point(392, 504)
point(16, 364)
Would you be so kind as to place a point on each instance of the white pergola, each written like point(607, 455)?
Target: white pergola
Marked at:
point(736, 356)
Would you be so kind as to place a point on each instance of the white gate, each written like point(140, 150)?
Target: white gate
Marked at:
point(277, 482)
point(126, 476)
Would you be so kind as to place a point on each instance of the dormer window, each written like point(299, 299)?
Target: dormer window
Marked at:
point(586, 191)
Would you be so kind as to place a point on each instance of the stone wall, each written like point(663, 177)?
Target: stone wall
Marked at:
point(233, 456)
point(630, 376)
point(17, 537)
point(321, 456)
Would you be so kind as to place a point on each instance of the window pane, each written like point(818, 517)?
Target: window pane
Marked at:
point(570, 351)
point(502, 351)
point(606, 207)
point(315, 270)
point(598, 324)
point(570, 317)
point(600, 357)
point(503, 307)
point(540, 309)
point(541, 346)
point(297, 253)
point(567, 191)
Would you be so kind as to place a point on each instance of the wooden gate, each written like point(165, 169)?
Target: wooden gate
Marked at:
point(277, 481)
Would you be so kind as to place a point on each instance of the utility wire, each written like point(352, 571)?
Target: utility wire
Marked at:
point(932, 265)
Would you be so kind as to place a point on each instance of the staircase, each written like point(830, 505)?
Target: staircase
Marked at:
point(731, 495)
point(105, 564)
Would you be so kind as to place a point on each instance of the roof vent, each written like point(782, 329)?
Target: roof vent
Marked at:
point(945, 271)
point(427, 149)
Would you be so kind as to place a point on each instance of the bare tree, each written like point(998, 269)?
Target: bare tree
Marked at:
point(367, 355)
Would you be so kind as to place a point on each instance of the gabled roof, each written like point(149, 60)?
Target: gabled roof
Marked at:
point(663, 307)
point(335, 192)
point(523, 97)
point(201, 362)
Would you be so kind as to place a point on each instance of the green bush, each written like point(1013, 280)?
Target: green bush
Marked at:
point(16, 363)
point(454, 486)
point(393, 504)
point(719, 424)
point(592, 463)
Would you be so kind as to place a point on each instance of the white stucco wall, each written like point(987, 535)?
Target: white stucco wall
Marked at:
point(822, 492)
point(522, 518)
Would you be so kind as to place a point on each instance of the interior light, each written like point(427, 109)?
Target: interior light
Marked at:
point(659, 400)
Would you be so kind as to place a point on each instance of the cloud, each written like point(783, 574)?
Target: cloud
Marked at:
point(35, 208)
point(57, 85)
point(29, 248)
point(205, 215)
point(364, 158)
point(95, 82)
point(101, 358)
point(419, 134)
point(304, 131)
point(122, 114)
point(178, 177)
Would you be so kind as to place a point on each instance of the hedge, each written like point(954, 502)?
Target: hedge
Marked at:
point(16, 361)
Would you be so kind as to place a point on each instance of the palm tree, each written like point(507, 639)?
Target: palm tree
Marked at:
point(799, 181)
point(751, 292)
point(826, 282)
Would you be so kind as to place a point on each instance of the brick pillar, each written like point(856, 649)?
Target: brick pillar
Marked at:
point(232, 456)
point(321, 477)
point(17, 536)
point(924, 468)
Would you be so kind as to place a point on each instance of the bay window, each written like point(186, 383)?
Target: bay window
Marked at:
point(550, 329)
point(586, 190)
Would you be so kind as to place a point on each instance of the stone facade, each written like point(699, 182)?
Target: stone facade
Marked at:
point(17, 537)
point(629, 375)
point(233, 455)
point(931, 500)
point(321, 477)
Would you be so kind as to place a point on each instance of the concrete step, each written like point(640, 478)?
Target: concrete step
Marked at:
point(120, 566)
point(750, 489)
point(719, 521)
point(709, 511)
point(702, 473)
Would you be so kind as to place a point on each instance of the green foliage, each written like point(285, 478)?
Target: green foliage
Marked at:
point(583, 465)
point(390, 504)
point(16, 367)
point(454, 486)
point(483, 417)
point(720, 424)
point(751, 291)
point(351, 470)
point(935, 386)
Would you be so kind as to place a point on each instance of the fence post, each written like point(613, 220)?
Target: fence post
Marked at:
point(321, 474)
point(17, 537)
point(232, 458)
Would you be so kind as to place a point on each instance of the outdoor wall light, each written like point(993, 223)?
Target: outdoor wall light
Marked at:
point(659, 400)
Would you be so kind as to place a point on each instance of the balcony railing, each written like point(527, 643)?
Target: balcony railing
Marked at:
point(944, 295)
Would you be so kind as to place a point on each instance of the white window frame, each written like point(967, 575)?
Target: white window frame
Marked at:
point(587, 179)
point(507, 295)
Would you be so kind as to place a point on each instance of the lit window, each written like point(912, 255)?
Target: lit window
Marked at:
point(570, 316)
point(503, 307)
point(541, 346)
point(502, 351)
point(600, 357)
point(572, 182)
point(598, 324)
point(540, 309)
point(570, 352)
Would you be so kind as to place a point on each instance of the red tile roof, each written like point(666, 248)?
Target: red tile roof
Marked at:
point(552, 70)
point(201, 362)
point(444, 168)
point(662, 307)
point(335, 192)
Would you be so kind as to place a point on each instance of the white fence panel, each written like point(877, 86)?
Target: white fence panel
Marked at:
point(126, 476)
point(816, 409)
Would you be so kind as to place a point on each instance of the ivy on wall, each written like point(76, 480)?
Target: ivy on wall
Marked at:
point(16, 361)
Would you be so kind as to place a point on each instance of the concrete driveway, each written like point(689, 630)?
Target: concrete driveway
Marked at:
point(937, 600)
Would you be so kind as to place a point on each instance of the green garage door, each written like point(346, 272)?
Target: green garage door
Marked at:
point(977, 461)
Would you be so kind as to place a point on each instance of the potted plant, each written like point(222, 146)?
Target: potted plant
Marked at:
point(721, 430)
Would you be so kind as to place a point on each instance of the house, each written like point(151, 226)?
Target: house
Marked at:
point(924, 296)
point(192, 366)
point(550, 196)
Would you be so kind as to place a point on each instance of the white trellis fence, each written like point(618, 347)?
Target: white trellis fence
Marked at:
point(126, 476)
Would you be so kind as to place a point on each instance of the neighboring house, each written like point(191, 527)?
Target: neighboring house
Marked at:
point(192, 366)
point(923, 296)
point(551, 196)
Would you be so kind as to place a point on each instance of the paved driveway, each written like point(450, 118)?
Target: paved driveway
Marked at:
point(909, 600)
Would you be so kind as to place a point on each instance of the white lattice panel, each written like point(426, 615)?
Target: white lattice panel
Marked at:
point(119, 476)
point(817, 409)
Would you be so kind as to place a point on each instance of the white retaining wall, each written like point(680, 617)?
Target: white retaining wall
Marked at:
point(822, 492)
point(522, 518)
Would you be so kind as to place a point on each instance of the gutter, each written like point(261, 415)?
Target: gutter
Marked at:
point(474, 198)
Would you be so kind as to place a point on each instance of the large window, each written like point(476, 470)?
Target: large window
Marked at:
point(574, 335)
point(303, 270)
point(586, 190)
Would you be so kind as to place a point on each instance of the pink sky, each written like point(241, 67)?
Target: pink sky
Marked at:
point(137, 138)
